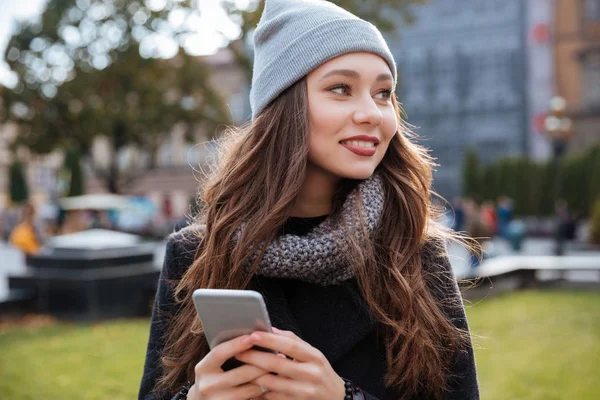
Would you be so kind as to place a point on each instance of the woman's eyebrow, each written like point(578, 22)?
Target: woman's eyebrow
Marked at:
point(384, 77)
point(344, 72)
point(355, 75)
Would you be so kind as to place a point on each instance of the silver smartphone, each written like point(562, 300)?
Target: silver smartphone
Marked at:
point(226, 314)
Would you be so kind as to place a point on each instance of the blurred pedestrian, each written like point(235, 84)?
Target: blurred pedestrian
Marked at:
point(25, 236)
point(74, 222)
point(476, 228)
point(504, 212)
point(322, 204)
point(489, 216)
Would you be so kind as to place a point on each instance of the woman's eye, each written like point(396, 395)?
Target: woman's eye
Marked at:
point(343, 90)
point(384, 95)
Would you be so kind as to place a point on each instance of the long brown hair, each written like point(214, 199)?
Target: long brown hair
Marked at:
point(260, 173)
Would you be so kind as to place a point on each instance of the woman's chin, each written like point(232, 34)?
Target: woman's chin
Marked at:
point(359, 174)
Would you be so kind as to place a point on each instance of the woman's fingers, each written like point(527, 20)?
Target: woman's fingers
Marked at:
point(233, 384)
point(291, 346)
point(298, 371)
point(285, 386)
point(285, 333)
point(247, 391)
point(269, 362)
point(224, 351)
point(276, 396)
point(243, 374)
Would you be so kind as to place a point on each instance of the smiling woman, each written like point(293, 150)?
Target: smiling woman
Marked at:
point(332, 199)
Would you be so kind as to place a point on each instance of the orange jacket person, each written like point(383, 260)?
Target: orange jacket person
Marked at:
point(24, 235)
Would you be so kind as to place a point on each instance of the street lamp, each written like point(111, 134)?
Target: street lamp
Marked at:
point(558, 128)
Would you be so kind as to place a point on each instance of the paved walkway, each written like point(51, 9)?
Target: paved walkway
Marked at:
point(536, 253)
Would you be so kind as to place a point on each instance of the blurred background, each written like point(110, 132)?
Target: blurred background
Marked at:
point(109, 112)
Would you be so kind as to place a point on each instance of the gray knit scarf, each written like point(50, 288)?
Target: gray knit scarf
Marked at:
point(320, 256)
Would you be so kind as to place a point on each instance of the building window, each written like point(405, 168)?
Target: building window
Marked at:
point(591, 78)
point(193, 154)
point(43, 178)
point(165, 154)
point(592, 10)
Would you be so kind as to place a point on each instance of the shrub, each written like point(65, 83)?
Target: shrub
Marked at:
point(595, 222)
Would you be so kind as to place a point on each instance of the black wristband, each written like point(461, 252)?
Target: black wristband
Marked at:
point(182, 394)
point(353, 392)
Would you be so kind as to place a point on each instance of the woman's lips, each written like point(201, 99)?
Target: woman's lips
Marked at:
point(361, 151)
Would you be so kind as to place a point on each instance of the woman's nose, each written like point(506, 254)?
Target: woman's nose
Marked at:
point(367, 112)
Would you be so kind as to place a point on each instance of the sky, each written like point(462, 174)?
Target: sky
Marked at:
point(207, 40)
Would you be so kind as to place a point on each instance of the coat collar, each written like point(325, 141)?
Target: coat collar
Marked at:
point(334, 319)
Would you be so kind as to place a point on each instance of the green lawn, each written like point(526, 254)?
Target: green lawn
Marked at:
point(538, 345)
point(90, 362)
point(530, 345)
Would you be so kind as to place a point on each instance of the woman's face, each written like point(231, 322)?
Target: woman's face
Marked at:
point(352, 118)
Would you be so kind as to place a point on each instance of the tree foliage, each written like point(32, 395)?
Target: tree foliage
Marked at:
point(17, 183)
point(472, 175)
point(119, 69)
point(90, 68)
point(535, 186)
point(595, 222)
point(73, 174)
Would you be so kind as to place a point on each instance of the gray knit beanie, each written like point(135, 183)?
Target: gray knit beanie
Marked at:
point(294, 37)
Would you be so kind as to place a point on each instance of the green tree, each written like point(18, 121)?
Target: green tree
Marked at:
point(536, 192)
point(595, 222)
point(472, 175)
point(73, 174)
point(17, 183)
point(547, 193)
point(93, 68)
point(490, 181)
point(594, 177)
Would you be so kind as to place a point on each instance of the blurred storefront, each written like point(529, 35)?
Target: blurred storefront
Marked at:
point(577, 66)
point(39, 169)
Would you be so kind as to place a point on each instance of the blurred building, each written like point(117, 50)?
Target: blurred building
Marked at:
point(39, 169)
point(464, 81)
point(577, 65)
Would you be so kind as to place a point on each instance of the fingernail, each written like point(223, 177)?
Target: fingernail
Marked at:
point(276, 330)
point(255, 336)
point(247, 340)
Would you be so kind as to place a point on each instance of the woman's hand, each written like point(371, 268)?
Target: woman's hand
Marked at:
point(213, 383)
point(308, 376)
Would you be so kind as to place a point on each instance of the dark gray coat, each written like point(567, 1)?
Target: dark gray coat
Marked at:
point(334, 319)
